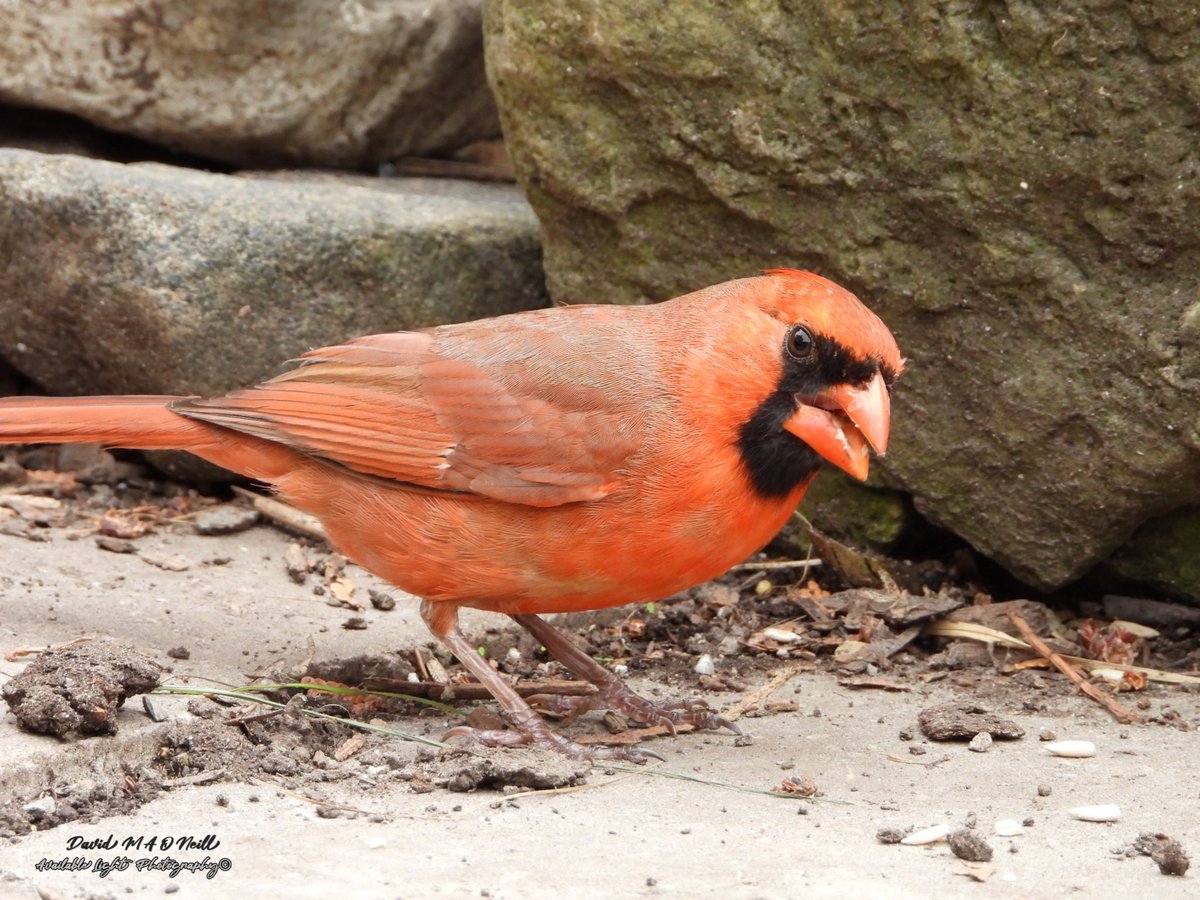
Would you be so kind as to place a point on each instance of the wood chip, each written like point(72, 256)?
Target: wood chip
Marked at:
point(295, 561)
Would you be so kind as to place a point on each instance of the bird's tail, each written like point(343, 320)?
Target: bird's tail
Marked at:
point(133, 422)
point(138, 422)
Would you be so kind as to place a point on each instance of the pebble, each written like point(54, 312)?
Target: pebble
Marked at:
point(1044, 790)
point(1072, 749)
point(152, 709)
point(892, 834)
point(381, 600)
point(930, 835)
point(1107, 812)
point(115, 544)
point(966, 844)
point(1008, 828)
point(1045, 734)
point(705, 666)
point(981, 743)
point(228, 518)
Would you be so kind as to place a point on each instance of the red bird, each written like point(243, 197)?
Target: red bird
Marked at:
point(561, 459)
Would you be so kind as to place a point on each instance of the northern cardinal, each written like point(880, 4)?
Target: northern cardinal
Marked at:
point(561, 459)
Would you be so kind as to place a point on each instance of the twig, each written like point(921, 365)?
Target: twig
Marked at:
point(775, 564)
point(1109, 702)
point(919, 762)
point(285, 516)
point(257, 717)
point(14, 655)
point(754, 698)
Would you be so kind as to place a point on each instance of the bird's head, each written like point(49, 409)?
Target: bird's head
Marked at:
point(830, 364)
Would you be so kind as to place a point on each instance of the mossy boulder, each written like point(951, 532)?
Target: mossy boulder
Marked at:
point(1012, 187)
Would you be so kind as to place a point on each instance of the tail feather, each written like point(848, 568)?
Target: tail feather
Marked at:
point(140, 422)
point(135, 422)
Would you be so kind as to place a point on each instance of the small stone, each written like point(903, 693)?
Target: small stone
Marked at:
point(981, 743)
point(179, 653)
point(918, 749)
point(906, 734)
point(152, 710)
point(381, 601)
point(743, 740)
point(893, 834)
point(355, 623)
point(968, 845)
point(704, 665)
point(1044, 790)
point(115, 544)
point(227, 518)
point(1045, 734)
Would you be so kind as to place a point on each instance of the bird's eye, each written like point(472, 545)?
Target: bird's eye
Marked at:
point(799, 343)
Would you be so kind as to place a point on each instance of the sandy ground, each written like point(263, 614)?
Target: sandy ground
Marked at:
point(623, 834)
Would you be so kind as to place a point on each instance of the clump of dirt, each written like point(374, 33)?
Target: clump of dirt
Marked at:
point(963, 721)
point(1164, 850)
point(79, 688)
point(470, 769)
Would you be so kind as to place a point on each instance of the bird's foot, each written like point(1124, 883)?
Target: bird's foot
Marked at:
point(553, 741)
point(616, 695)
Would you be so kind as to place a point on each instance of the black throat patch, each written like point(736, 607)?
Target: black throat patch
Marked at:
point(776, 460)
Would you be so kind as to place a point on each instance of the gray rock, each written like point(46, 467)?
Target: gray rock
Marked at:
point(225, 518)
point(255, 82)
point(152, 279)
point(1014, 189)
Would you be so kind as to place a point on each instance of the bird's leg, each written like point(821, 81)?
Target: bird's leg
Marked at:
point(612, 693)
point(530, 728)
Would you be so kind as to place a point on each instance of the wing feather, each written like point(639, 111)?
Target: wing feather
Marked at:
point(417, 408)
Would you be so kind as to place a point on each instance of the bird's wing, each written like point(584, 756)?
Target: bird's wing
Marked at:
point(504, 420)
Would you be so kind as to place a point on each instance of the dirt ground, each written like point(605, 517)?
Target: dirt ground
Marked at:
point(282, 804)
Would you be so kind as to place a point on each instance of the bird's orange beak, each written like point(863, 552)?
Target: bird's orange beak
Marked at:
point(842, 422)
